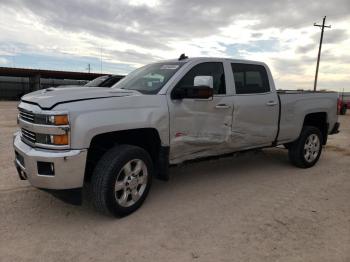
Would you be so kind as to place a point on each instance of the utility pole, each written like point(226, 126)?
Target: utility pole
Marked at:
point(319, 49)
point(89, 68)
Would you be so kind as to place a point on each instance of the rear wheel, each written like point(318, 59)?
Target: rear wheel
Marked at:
point(121, 180)
point(306, 151)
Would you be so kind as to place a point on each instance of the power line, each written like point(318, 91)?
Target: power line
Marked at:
point(319, 49)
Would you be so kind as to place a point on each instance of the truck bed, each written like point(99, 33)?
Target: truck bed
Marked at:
point(295, 104)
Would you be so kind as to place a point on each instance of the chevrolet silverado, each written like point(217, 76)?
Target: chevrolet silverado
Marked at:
point(116, 139)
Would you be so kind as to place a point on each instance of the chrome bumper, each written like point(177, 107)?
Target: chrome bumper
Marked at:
point(69, 166)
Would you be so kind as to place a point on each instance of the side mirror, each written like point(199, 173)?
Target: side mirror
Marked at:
point(194, 92)
point(203, 81)
point(202, 89)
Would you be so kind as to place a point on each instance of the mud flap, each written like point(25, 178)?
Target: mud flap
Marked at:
point(162, 165)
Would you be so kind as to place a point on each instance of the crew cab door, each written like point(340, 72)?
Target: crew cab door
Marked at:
point(256, 107)
point(200, 127)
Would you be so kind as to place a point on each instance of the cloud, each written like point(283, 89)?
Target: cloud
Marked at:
point(268, 45)
point(137, 32)
point(335, 36)
point(332, 36)
point(3, 61)
point(306, 48)
point(181, 19)
point(288, 66)
point(330, 57)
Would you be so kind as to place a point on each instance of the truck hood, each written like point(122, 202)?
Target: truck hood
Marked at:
point(50, 97)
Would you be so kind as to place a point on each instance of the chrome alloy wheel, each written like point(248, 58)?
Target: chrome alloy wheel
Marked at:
point(131, 182)
point(312, 148)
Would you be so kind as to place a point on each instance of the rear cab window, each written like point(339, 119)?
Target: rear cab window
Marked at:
point(250, 79)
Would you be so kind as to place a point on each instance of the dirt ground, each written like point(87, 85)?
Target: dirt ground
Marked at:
point(250, 207)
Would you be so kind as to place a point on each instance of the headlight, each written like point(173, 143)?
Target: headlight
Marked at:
point(58, 120)
point(47, 129)
point(43, 119)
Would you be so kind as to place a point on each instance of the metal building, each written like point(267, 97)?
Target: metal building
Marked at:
point(15, 82)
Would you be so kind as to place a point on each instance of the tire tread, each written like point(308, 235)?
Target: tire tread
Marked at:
point(295, 150)
point(103, 175)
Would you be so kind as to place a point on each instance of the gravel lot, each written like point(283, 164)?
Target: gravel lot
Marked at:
point(250, 207)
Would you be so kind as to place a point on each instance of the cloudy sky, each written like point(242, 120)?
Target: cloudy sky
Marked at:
point(70, 34)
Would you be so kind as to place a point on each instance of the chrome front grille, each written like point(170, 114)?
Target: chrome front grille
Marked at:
point(28, 135)
point(38, 127)
point(26, 116)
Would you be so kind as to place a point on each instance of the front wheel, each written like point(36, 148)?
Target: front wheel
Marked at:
point(121, 180)
point(306, 151)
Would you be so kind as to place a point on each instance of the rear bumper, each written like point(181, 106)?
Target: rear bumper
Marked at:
point(69, 166)
point(335, 129)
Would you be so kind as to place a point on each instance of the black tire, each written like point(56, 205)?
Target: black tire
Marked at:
point(343, 110)
point(105, 176)
point(297, 152)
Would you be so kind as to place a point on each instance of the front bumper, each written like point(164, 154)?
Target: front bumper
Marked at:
point(69, 166)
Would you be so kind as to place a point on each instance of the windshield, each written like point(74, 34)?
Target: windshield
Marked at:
point(110, 81)
point(150, 78)
point(97, 81)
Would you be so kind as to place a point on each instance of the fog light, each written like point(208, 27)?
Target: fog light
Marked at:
point(46, 168)
point(59, 139)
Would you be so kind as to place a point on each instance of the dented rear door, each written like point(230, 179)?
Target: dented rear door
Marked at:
point(256, 107)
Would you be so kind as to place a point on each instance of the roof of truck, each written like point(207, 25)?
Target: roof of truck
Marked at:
point(191, 59)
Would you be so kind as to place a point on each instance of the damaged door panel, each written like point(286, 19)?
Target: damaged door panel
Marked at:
point(198, 126)
point(255, 116)
point(201, 127)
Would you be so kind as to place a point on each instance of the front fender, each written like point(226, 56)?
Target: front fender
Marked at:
point(89, 119)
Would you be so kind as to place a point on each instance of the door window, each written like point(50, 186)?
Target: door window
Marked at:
point(250, 79)
point(214, 69)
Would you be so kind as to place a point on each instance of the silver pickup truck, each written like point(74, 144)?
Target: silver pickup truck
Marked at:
point(116, 139)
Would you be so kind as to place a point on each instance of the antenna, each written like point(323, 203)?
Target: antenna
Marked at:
point(183, 57)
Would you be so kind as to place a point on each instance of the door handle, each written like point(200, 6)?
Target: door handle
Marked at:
point(271, 103)
point(222, 106)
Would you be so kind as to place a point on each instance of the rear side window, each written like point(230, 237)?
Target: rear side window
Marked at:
point(250, 79)
point(214, 69)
